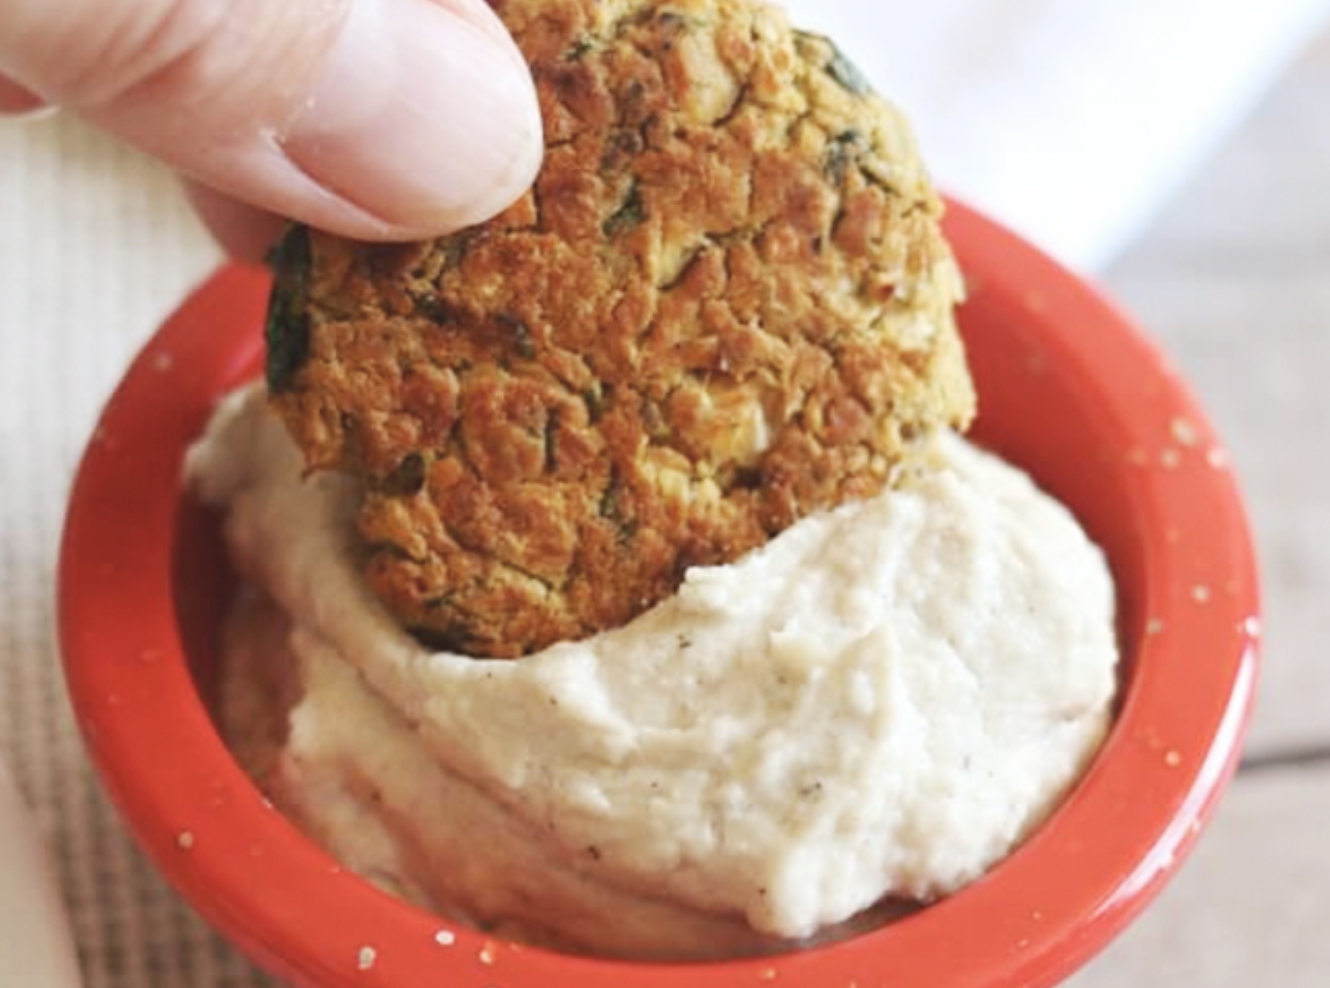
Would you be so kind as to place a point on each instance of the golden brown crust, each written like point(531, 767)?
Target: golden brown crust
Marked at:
point(725, 304)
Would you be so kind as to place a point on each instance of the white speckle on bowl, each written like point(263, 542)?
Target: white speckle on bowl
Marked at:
point(366, 958)
point(162, 362)
point(1184, 432)
point(445, 938)
point(1217, 458)
point(768, 974)
point(185, 840)
point(1154, 626)
point(486, 954)
point(1252, 626)
point(1200, 593)
point(1170, 458)
point(1172, 758)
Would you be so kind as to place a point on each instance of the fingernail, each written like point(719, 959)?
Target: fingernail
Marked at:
point(422, 116)
point(20, 104)
point(33, 115)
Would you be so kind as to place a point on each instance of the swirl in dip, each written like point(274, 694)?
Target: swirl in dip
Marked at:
point(874, 707)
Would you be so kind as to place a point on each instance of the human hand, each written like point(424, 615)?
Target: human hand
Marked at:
point(376, 119)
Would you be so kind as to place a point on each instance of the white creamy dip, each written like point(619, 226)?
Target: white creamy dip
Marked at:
point(881, 702)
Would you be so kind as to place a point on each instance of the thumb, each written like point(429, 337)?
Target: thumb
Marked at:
point(378, 119)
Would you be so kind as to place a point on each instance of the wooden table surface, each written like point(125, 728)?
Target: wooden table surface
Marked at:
point(1234, 279)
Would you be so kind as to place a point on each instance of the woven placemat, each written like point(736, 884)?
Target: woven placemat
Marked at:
point(96, 246)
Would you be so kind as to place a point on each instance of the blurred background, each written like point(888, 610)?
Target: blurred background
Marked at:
point(1175, 150)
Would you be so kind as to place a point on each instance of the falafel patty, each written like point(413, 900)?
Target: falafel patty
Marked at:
point(725, 304)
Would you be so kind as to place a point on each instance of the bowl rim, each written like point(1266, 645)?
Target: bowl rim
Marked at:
point(1099, 859)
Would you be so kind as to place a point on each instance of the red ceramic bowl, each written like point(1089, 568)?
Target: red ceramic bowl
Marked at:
point(1068, 390)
